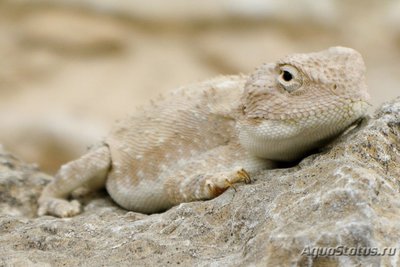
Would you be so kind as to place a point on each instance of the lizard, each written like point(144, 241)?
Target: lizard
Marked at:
point(199, 140)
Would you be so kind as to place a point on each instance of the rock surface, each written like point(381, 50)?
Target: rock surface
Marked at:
point(348, 195)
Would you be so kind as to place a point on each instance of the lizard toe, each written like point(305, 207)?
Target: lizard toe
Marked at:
point(59, 207)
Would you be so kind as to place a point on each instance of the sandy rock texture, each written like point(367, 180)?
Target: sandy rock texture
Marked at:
point(347, 195)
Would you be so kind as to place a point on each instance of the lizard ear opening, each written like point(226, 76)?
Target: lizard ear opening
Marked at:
point(290, 78)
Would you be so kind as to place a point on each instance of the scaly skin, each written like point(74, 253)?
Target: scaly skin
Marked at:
point(202, 139)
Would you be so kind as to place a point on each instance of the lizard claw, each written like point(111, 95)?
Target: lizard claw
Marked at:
point(230, 184)
point(244, 176)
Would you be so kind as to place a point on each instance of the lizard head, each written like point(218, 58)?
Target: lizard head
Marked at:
point(301, 102)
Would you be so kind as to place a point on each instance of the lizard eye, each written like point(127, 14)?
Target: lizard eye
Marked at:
point(290, 78)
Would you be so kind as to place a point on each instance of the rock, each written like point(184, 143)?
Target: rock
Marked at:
point(345, 197)
point(20, 186)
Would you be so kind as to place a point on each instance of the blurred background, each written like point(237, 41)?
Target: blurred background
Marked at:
point(70, 68)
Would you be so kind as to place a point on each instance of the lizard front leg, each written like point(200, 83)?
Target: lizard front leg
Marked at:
point(211, 174)
point(203, 186)
point(90, 171)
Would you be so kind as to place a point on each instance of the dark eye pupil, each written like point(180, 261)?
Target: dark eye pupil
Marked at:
point(287, 76)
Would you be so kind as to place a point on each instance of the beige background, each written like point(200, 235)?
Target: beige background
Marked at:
point(68, 69)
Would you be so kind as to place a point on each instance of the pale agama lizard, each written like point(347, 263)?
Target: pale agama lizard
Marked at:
point(202, 139)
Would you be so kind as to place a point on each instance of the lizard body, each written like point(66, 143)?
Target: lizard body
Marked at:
point(202, 139)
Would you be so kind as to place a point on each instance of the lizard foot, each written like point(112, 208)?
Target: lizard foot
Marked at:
point(59, 207)
point(222, 181)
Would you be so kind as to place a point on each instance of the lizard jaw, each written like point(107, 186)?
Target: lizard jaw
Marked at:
point(289, 140)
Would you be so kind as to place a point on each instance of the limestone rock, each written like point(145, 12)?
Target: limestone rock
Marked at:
point(20, 186)
point(345, 196)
